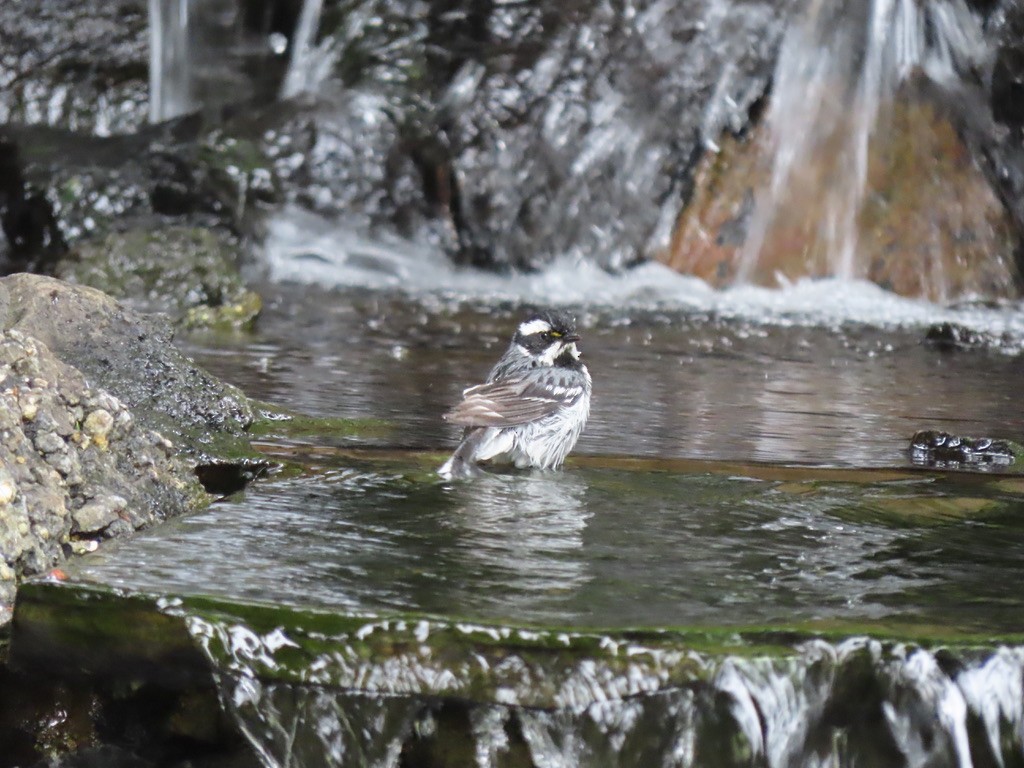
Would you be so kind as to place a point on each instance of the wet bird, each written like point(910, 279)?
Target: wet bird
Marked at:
point(533, 406)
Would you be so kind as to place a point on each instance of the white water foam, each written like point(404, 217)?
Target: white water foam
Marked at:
point(302, 247)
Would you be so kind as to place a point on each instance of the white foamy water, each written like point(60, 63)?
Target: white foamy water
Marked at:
point(305, 248)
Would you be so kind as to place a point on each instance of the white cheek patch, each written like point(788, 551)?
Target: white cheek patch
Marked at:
point(547, 357)
point(573, 350)
point(534, 326)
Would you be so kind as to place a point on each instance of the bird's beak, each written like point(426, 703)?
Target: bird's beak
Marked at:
point(569, 338)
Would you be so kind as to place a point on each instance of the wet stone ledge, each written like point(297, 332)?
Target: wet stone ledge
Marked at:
point(309, 688)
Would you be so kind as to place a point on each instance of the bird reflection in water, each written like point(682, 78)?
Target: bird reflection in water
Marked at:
point(523, 533)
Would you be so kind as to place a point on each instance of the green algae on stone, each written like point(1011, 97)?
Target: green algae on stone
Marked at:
point(277, 421)
point(189, 273)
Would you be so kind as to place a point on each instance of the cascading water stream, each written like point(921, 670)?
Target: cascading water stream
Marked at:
point(308, 65)
point(842, 73)
point(170, 63)
point(203, 55)
point(858, 702)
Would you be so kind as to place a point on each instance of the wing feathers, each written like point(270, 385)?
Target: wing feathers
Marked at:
point(509, 402)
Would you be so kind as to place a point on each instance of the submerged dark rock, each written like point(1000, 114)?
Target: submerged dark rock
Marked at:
point(952, 336)
point(940, 449)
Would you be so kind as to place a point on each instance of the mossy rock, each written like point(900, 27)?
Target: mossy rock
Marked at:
point(189, 273)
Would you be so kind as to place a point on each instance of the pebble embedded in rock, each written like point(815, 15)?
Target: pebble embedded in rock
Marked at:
point(48, 442)
point(8, 488)
point(98, 423)
point(97, 514)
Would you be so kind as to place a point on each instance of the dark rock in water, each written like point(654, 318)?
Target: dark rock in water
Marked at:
point(941, 449)
point(951, 336)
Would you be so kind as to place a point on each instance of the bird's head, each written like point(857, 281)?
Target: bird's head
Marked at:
point(548, 338)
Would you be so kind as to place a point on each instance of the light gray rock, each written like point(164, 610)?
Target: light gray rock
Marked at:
point(88, 390)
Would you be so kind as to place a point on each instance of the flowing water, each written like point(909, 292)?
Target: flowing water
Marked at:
point(742, 482)
point(843, 70)
point(740, 565)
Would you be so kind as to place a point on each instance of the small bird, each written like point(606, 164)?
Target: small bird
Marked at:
point(534, 405)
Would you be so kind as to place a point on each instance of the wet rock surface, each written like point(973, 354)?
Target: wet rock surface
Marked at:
point(189, 273)
point(931, 448)
point(75, 465)
point(128, 354)
point(513, 134)
point(950, 337)
point(507, 135)
point(76, 65)
point(931, 224)
point(63, 188)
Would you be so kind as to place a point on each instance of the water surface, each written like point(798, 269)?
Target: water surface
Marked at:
point(669, 382)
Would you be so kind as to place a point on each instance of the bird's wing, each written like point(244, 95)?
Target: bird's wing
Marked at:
point(507, 402)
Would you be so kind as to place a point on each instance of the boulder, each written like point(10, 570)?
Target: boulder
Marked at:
point(103, 424)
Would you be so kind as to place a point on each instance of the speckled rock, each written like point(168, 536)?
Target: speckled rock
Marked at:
point(103, 424)
point(75, 464)
point(129, 355)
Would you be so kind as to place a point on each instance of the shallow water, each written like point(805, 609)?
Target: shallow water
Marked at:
point(602, 547)
point(668, 382)
point(683, 539)
point(738, 474)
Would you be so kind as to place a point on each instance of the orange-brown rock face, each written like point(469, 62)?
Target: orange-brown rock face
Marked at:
point(926, 223)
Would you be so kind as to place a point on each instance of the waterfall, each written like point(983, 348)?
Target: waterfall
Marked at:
point(842, 68)
point(305, 67)
point(170, 62)
point(203, 55)
point(857, 702)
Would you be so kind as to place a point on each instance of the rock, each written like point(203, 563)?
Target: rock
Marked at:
point(64, 188)
point(931, 225)
point(940, 449)
point(189, 273)
point(88, 390)
point(98, 424)
point(513, 134)
point(97, 514)
point(948, 337)
point(129, 356)
point(76, 65)
point(54, 487)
